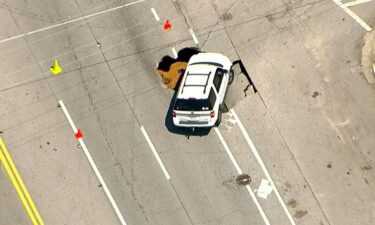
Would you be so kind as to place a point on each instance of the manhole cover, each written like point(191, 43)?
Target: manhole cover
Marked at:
point(243, 179)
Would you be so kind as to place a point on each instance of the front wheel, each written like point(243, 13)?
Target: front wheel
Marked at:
point(231, 77)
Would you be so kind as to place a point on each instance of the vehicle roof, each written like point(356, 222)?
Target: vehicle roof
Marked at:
point(197, 81)
point(199, 75)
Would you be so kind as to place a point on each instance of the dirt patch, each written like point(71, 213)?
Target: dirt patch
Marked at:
point(315, 94)
point(300, 213)
point(227, 16)
point(367, 167)
point(292, 203)
point(230, 184)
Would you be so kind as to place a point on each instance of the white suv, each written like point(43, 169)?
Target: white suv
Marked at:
point(200, 96)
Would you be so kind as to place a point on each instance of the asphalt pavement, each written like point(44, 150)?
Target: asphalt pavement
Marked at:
point(306, 135)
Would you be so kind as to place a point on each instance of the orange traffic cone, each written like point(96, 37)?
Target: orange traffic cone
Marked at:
point(56, 69)
point(79, 134)
point(167, 25)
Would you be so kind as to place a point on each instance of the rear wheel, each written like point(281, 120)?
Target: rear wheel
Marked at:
point(224, 108)
point(218, 121)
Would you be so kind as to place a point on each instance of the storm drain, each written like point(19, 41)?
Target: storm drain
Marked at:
point(243, 179)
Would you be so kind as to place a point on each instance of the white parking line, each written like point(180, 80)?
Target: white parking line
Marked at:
point(356, 2)
point(239, 171)
point(353, 15)
point(193, 36)
point(261, 163)
point(174, 52)
point(155, 153)
point(93, 165)
point(71, 21)
point(157, 18)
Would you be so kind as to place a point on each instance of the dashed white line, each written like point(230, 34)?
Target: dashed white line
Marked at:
point(155, 153)
point(157, 18)
point(356, 2)
point(174, 52)
point(193, 36)
point(353, 15)
point(261, 163)
point(93, 165)
point(71, 21)
point(239, 171)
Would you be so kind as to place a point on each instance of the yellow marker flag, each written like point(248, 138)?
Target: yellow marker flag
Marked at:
point(56, 69)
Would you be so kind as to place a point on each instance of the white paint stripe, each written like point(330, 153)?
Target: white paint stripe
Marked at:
point(251, 192)
point(193, 35)
point(93, 165)
point(261, 163)
point(356, 2)
point(72, 21)
point(239, 171)
point(155, 153)
point(174, 52)
point(157, 18)
point(353, 15)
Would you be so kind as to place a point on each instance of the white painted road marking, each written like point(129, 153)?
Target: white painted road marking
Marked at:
point(157, 18)
point(261, 163)
point(356, 2)
point(264, 189)
point(155, 153)
point(174, 52)
point(353, 15)
point(71, 21)
point(193, 36)
point(93, 165)
point(239, 171)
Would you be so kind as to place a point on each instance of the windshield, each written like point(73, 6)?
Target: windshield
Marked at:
point(193, 105)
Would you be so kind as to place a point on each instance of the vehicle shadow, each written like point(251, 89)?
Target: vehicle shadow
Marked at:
point(247, 75)
point(182, 56)
point(165, 63)
point(181, 130)
point(185, 54)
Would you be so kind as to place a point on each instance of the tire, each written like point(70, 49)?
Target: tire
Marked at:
point(231, 77)
point(224, 108)
point(218, 121)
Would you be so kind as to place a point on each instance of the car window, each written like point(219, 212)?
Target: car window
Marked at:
point(196, 104)
point(192, 105)
point(218, 78)
point(212, 98)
